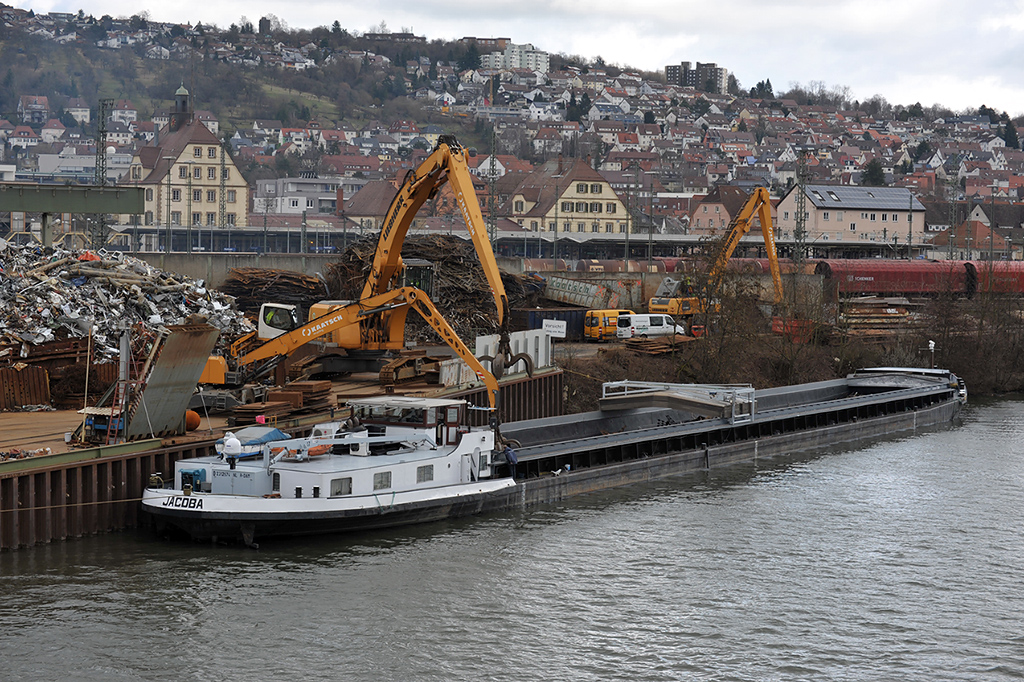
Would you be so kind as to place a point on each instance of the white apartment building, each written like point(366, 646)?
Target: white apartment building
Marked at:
point(524, 56)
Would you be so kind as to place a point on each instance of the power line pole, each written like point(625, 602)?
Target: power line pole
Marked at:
point(650, 224)
point(800, 229)
point(98, 236)
point(492, 223)
point(951, 188)
point(910, 224)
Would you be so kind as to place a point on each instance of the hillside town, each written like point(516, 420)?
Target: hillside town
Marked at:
point(671, 156)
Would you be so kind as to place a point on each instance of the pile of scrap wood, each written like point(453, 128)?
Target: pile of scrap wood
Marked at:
point(657, 346)
point(296, 398)
point(460, 291)
point(252, 287)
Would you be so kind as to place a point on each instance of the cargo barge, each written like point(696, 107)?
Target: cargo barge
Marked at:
point(670, 431)
point(643, 432)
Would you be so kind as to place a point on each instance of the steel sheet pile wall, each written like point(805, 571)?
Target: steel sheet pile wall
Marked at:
point(21, 386)
point(527, 398)
point(82, 498)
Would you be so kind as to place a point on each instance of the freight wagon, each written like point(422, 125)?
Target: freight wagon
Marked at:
point(867, 277)
point(995, 276)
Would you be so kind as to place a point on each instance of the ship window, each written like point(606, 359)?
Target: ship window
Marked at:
point(276, 485)
point(425, 473)
point(413, 416)
point(340, 486)
point(382, 480)
point(453, 415)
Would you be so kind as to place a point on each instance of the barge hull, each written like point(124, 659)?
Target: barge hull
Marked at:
point(247, 527)
point(577, 480)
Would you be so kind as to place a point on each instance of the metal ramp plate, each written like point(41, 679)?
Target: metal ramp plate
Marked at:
point(172, 379)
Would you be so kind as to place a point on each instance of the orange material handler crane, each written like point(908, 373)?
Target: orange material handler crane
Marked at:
point(693, 302)
point(375, 323)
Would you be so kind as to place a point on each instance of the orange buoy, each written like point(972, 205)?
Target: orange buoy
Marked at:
point(192, 420)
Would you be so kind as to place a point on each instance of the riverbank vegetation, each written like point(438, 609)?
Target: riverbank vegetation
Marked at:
point(980, 339)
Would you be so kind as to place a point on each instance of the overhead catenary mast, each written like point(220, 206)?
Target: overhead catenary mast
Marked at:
point(800, 230)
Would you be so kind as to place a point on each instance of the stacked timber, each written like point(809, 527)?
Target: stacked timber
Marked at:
point(315, 395)
point(258, 413)
point(294, 399)
point(876, 319)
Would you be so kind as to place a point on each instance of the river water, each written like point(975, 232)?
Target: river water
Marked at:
point(900, 560)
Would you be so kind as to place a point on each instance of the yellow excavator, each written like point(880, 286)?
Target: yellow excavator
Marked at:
point(375, 324)
point(680, 298)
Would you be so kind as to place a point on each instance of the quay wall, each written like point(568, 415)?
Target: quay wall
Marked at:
point(69, 500)
point(586, 289)
point(213, 268)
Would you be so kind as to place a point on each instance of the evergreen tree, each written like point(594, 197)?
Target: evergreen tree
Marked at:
point(873, 174)
point(471, 58)
point(1010, 135)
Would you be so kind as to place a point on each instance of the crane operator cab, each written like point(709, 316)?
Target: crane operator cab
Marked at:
point(277, 319)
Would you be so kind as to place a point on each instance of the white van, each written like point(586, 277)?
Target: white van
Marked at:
point(647, 325)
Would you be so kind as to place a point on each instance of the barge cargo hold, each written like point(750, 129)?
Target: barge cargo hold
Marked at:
point(646, 432)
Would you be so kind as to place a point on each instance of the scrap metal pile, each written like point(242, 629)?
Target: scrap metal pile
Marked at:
point(461, 291)
point(252, 287)
point(53, 294)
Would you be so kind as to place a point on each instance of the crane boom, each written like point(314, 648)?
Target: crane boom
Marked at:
point(446, 164)
point(688, 303)
point(758, 203)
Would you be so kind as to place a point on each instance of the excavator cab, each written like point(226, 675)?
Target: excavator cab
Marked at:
point(277, 319)
point(419, 273)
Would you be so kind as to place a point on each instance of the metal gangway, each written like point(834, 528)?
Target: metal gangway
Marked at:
point(734, 402)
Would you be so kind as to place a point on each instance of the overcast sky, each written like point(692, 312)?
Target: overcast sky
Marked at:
point(957, 53)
